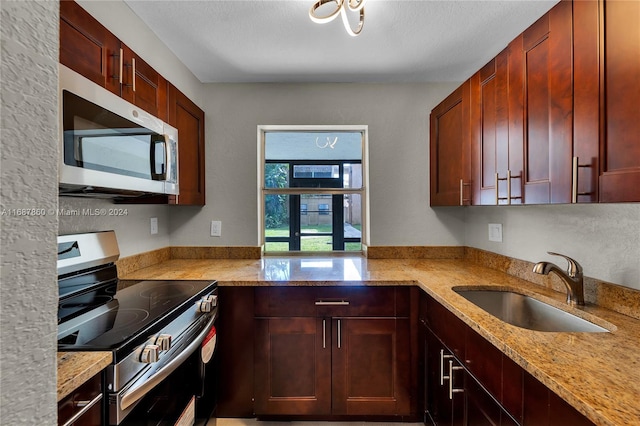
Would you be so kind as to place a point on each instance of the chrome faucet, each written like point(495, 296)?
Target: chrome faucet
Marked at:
point(572, 278)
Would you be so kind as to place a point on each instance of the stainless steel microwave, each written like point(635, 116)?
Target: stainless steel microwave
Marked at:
point(109, 147)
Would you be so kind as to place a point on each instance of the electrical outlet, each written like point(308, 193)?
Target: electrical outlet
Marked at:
point(154, 225)
point(495, 232)
point(216, 228)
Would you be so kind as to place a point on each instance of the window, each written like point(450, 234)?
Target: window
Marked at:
point(312, 192)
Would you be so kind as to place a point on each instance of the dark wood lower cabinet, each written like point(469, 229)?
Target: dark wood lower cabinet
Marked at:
point(488, 388)
point(307, 366)
point(293, 366)
point(369, 360)
point(334, 353)
point(87, 397)
point(442, 407)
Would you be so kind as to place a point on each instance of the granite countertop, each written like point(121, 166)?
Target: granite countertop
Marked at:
point(75, 368)
point(597, 373)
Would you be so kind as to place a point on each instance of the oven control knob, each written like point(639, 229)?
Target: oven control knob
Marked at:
point(150, 354)
point(164, 342)
point(203, 305)
point(213, 299)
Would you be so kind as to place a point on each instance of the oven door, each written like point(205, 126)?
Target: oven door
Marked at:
point(166, 388)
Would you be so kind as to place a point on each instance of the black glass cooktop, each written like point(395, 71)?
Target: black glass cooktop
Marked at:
point(119, 313)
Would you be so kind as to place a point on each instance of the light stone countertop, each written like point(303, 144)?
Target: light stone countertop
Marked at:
point(597, 373)
point(75, 368)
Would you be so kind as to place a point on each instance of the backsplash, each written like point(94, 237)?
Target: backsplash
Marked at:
point(608, 295)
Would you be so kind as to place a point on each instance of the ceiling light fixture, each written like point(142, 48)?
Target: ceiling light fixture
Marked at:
point(342, 7)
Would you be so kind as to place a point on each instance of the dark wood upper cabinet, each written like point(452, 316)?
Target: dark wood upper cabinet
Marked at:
point(490, 131)
point(450, 170)
point(89, 48)
point(188, 118)
point(619, 105)
point(541, 108)
point(606, 113)
point(143, 86)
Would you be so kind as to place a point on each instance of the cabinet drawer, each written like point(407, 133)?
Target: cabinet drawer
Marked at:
point(332, 301)
point(363, 301)
point(85, 403)
point(448, 327)
point(285, 302)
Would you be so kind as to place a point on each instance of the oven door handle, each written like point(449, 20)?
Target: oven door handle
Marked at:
point(135, 393)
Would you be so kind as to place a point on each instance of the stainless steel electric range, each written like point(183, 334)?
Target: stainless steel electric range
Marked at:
point(157, 331)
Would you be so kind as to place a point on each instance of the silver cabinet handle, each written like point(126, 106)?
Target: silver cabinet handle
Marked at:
point(332, 302)
point(509, 177)
point(133, 73)
point(324, 333)
point(442, 358)
point(498, 198)
point(121, 66)
point(575, 165)
point(451, 370)
point(86, 406)
point(462, 199)
point(339, 337)
point(508, 198)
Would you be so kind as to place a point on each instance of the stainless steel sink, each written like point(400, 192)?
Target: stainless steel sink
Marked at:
point(527, 312)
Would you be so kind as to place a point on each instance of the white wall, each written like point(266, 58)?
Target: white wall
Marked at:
point(132, 223)
point(398, 120)
point(29, 291)
point(603, 238)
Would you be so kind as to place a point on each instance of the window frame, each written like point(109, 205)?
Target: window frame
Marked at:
point(363, 191)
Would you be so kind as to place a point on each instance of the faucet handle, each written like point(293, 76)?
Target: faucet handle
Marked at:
point(574, 269)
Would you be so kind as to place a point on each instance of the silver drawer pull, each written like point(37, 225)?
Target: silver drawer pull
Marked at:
point(86, 406)
point(442, 358)
point(324, 333)
point(451, 389)
point(332, 302)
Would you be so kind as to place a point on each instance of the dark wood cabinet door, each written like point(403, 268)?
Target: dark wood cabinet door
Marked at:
point(443, 408)
point(89, 48)
point(188, 118)
point(586, 94)
point(450, 169)
point(540, 108)
point(142, 85)
point(292, 366)
point(619, 105)
point(371, 366)
point(490, 131)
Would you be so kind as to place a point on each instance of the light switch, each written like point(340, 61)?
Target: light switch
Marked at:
point(154, 225)
point(495, 232)
point(216, 228)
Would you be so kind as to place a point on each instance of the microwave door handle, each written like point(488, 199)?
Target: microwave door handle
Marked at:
point(155, 140)
point(167, 157)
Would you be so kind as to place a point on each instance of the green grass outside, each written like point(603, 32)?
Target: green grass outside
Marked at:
point(308, 243)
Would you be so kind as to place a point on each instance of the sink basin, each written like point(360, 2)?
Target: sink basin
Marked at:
point(527, 312)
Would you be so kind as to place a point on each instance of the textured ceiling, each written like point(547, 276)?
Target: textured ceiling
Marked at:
point(275, 41)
